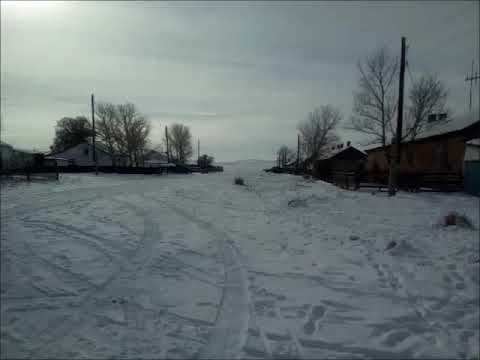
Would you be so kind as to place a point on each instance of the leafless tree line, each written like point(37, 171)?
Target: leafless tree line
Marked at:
point(317, 133)
point(375, 101)
point(374, 109)
point(179, 143)
point(123, 130)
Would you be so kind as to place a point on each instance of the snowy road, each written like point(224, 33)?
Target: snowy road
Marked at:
point(193, 266)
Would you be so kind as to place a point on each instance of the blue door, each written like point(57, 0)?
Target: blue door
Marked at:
point(472, 177)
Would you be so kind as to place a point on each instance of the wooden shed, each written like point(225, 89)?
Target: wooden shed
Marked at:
point(339, 159)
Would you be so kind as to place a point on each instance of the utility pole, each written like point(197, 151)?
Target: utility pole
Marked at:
point(93, 136)
point(298, 152)
point(198, 150)
point(395, 161)
point(166, 139)
point(472, 78)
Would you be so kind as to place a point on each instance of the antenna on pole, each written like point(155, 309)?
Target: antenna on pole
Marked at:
point(168, 148)
point(93, 135)
point(472, 78)
point(298, 152)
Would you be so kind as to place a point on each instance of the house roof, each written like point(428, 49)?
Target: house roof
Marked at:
point(155, 155)
point(155, 161)
point(474, 142)
point(19, 150)
point(331, 153)
point(55, 158)
point(457, 123)
point(98, 147)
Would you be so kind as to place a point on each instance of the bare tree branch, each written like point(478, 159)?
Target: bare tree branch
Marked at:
point(318, 130)
point(180, 141)
point(285, 155)
point(374, 103)
point(427, 96)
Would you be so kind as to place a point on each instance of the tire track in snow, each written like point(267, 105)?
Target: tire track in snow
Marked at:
point(227, 337)
point(231, 324)
point(141, 255)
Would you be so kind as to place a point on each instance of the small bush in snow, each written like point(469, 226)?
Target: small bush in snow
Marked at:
point(297, 202)
point(390, 245)
point(239, 181)
point(453, 218)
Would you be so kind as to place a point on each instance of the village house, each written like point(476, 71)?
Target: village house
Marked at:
point(82, 155)
point(440, 149)
point(6, 154)
point(14, 159)
point(471, 170)
point(339, 159)
point(154, 158)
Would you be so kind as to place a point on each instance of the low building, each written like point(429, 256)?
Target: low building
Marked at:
point(6, 154)
point(153, 158)
point(472, 167)
point(17, 159)
point(440, 149)
point(58, 161)
point(339, 159)
point(82, 155)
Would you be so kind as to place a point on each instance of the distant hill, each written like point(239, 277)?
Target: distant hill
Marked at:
point(253, 162)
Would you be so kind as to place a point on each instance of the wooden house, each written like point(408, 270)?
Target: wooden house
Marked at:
point(440, 149)
point(82, 155)
point(339, 159)
point(471, 171)
point(14, 159)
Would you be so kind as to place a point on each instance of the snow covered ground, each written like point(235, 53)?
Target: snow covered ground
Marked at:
point(183, 266)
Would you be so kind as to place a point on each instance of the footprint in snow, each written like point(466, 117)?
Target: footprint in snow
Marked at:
point(460, 286)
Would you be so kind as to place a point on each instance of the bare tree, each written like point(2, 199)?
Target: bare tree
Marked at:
point(285, 155)
point(205, 161)
point(318, 131)
point(375, 101)
point(133, 131)
point(107, 128)
point(180, 142)
point(70, 132)
point(427, 95)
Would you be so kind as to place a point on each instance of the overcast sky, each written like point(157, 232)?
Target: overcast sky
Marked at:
point(240, 74)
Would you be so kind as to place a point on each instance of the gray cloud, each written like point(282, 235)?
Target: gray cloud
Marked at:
point(241, 74)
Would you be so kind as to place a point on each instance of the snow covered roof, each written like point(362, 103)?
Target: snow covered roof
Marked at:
point(156, 155)
point(55, 158)
point(155, 161)
point(332, 152)
point(457, 123)
point(474, 142)
point(98, 147)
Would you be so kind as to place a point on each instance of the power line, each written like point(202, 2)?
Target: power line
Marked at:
point(407, 64)
point(410, 73)
point(472, 78)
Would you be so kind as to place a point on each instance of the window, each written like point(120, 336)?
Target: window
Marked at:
point(444, 157)
point(440, 157)
point(411, 157)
